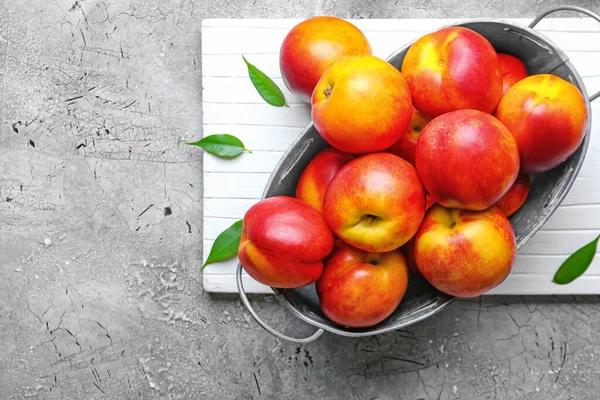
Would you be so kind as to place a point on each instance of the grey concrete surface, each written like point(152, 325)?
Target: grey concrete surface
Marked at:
point(100, 234)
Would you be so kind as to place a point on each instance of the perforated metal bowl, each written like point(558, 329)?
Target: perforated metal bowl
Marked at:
point(547, 191)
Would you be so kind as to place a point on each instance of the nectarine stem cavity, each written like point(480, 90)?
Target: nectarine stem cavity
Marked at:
point(369, 218)
point(454, 217)
point(373, 258)
point(328, 90)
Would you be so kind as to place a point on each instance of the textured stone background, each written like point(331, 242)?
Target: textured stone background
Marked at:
point(100, 234)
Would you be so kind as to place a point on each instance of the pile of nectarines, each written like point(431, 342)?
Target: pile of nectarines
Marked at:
point(426, 164)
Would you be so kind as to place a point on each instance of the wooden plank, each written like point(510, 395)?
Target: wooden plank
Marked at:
point(237, 186)
point(265, 161)
point(239, 90)
point(575, 217)
point(542, 285)
point(237, 41)
point(245, 163)
point(232, 208)
point(264, 41)
point(546, 265)
point(586, 63)
point(257, 137)
point(294, 116)
point(414, 25)
point(222, 268)
point(546, 242)
point(226, 283)
point(533, 284)
point(225, 185)
point(572, 24)
point(529, 276)
point(543, 265)
point(227, 90)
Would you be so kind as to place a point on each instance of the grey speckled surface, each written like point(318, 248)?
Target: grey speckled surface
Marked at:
point(100, 289)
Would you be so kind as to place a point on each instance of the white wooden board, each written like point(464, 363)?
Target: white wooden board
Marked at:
point(231, 105)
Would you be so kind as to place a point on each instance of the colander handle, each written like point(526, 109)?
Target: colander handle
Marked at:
point(568, 8)
point(262, 323)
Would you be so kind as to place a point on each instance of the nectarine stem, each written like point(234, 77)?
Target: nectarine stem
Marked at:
point(327, 92)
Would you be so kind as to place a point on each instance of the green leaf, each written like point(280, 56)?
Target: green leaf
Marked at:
point(576, 264)
point(267, 89)
point(226, 245)
point(222, 145)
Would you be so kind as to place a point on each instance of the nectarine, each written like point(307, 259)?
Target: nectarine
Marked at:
point(406, 146)
point(465, 253)
point(547, 117)
point(359, 289)
point(515, 197)
point(375, 202)
point(513, 70)
point(361, 104)
point(312, 46)
point(451, 69)
point(467, 159)
point(284, 241)
point(317, 175)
